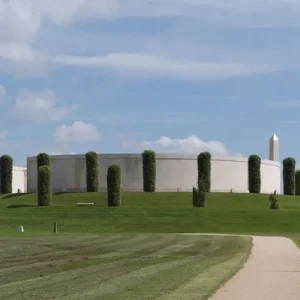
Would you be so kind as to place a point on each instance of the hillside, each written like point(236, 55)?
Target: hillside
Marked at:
point(151, 212)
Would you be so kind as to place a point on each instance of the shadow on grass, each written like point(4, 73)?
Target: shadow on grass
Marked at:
point(15, 195)
point(20, 205)
point(61, 193)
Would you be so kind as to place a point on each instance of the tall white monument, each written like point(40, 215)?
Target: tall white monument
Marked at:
point(274, 148)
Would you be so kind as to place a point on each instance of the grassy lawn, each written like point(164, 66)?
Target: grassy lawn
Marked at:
point(118, 266)
point(135, 251)
point(151, 213)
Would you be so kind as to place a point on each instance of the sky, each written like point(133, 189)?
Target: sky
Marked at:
point(174, 76)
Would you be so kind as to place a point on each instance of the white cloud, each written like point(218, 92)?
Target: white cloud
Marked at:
point(21, 53)
point(23, 20)
point(41, 106)
point(191, 144)
point(143, 64)
point(19, 23)
point(77, 132)
point(28, 15)
point(249, 13)
point(236, 5)
point(23, 61)
point(69, 11)
point(239, 5)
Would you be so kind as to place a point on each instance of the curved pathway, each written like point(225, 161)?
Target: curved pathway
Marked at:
point(272, 272)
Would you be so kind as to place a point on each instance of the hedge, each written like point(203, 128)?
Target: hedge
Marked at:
point(44, 186)
point(6, 167)
point(195, 198)
point(297, 178)
point(149, 170)
point(254, 174)
point(43, 159)
point(204, 170)
point(199, 195)
point(273, 201)
point(92, 172)
point(289, 170)
point(114, 185)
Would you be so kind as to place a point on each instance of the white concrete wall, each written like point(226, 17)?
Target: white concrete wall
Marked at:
point(174, 172)
point(19, 180)
point(270, 176)
point(229, 173)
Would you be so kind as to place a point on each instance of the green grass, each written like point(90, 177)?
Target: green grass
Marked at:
point(135, 251)
point(152, 213)
point(118, 266)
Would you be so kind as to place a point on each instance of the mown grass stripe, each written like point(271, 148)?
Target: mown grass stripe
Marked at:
point(139, 268)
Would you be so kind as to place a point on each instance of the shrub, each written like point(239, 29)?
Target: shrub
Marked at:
point(195, 197)
point(114, 185)
point(149, 170)
point(204, 170)
point(44, 186)
point(6, 167)
point(92, 171)
point(254, 175)
point(199, 195)
point(43, 159)
point(289, 165)
point(297, 182)
point(202, 198)
point(202, 192)
point(273, 201)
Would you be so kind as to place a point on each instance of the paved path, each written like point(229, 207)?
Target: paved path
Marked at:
point(272, 272)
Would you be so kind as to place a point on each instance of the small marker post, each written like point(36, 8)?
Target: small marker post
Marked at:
point(55, 227)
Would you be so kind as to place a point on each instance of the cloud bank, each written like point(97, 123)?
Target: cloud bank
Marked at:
point(190, 145)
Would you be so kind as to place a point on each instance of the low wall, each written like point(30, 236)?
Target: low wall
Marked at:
point(173, 172)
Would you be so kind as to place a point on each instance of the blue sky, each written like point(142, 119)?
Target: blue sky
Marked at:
point(170, 75)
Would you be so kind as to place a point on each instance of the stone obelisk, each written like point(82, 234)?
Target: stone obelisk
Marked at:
point(274, 148)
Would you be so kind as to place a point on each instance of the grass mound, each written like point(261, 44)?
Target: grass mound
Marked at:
point(151, 212)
